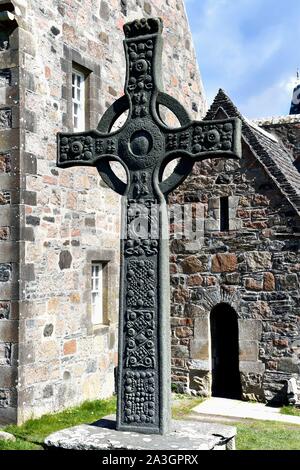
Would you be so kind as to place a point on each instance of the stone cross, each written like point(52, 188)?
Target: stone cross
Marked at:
point(144, 146)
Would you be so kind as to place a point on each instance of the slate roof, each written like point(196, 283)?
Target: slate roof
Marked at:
point(268, 150)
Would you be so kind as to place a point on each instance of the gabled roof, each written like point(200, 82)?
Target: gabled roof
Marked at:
point(269, 151)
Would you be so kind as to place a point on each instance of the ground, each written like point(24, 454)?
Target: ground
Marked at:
point(251, 434)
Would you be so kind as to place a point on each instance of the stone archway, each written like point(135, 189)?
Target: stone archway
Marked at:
point(224, 334)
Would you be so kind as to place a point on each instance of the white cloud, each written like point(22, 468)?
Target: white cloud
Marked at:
point(248, 48)
point(267, 103)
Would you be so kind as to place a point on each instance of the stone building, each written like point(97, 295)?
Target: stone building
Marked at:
point(61, 66)
point(235, 300)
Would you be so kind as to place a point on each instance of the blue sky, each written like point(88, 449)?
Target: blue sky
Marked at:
point(250, 48)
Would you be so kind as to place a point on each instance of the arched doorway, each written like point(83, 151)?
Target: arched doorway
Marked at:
point(225, 352)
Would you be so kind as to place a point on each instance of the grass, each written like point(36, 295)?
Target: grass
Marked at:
point(267, 435)
point(290, 410)
point(182, 405)
point(19, 444)
point(251, 434)
point(31, 435)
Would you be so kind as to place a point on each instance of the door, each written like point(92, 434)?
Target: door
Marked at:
point(225, 352)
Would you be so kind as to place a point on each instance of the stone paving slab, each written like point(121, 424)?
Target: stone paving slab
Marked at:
point(185, 435)
point(240, 409)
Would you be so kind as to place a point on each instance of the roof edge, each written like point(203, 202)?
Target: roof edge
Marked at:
point(250, 133)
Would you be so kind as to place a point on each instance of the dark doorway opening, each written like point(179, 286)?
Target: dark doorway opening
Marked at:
point(226, 381)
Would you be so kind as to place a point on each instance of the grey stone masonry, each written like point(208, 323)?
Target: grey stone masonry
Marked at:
point(9, 215)
point(253, 266)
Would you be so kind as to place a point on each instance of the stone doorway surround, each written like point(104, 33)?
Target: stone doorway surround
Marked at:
point(251, 367)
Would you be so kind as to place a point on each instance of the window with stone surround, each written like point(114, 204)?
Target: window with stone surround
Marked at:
point(97, 293)
point(78, 100)
point(83, 90)
point(100, 289)
point(224, 214)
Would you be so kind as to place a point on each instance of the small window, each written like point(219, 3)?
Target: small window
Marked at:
point(97, 293)
point(224, 214)
point(78, 100)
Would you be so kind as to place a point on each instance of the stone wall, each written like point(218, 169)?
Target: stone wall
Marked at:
point(9, 216)
point(254, 267)
point(68, 217)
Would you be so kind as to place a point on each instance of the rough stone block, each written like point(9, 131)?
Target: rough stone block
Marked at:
point(183, 435)
point(180, 351)
point(8, 376)
point(5, 436)
point(251, 367)
point(258, 260)
point(253, 284)
point(201, 328)
point(29, 164)
point(27, 272)
point(224, 262)
point(200, 381)
point(199, 349)
point(269, 282)
point(248, 350)
point(8, 331)
point(289, 364)
point(30, 198)
point(65, 259)
point(250, 329)
point(104, 10)
point(191, 265)
point(199, 364)
point(48, 330)
point(32, 220)
point(70, 347)
point(48, 391)
point(8, 252)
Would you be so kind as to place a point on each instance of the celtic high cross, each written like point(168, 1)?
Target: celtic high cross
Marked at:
point(144, 146)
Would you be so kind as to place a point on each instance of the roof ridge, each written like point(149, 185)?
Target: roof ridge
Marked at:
point(263, 131)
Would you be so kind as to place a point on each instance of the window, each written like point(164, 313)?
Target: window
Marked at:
point(97, 293)
point(78, 100)
point(224, 214)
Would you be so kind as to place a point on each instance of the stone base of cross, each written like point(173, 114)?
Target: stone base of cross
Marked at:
point(144, 146)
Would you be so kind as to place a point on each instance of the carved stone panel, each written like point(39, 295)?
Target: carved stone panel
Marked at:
point(5, 78)
point(4, 41)
point(5, 118)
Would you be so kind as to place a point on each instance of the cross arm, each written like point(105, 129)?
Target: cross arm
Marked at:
point(84, 148)
point(205, 139)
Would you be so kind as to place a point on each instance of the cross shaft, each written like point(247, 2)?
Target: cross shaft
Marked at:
point(144, 146)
